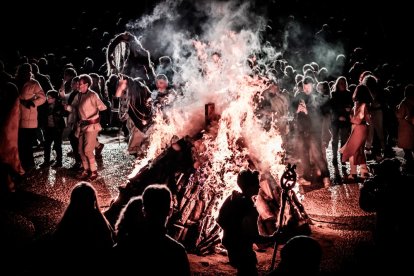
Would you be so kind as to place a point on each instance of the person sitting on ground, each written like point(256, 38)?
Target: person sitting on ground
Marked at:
point(238, 218)
point(301, 255)
point(154, 250)
point(130, 225)
point(388, 193)
point(83, 232)
point(130, 231)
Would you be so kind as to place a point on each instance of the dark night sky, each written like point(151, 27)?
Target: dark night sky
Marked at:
point(32, 28)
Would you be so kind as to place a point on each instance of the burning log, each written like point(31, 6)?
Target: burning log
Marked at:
point(199, 182)
point(209, 113)
point(215, 231)
point(174, 160)
point(209, 247)
point(188, 210)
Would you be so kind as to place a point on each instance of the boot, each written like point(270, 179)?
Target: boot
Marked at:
point(98, 151)
point(76, 167)
point(46, 158)
point(58, 164)
point(93, 175)
point(84, 175)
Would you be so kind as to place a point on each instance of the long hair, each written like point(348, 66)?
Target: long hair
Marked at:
point(82, 207)
point(83, 234)
point(340, 79)
point(362, 94)
point(372, 83)
point(83, 197)
point(130, 221)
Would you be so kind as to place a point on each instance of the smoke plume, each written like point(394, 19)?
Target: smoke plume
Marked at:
point(190, 32)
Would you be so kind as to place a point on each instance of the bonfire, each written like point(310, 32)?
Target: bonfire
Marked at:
point(211, 132)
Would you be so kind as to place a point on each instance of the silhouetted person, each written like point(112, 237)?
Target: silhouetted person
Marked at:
point(130, 231)
point(389, 194)
point(155, 253)
point(10, 165)
point(83, 234)
point(405, 116)
point(238, 219)
point(324, 109)
point(130, 226)
point(4, 76)
point(341, 103)
point(42, 110)
point(301, 255)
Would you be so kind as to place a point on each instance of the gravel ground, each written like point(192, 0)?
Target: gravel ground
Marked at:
point(343, 230)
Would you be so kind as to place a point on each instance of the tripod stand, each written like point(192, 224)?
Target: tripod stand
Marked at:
point(287, 182)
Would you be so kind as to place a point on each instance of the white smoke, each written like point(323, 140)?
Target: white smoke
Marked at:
point(191, 37)
point(302, 46)
point(161, 11)
point(190, 33)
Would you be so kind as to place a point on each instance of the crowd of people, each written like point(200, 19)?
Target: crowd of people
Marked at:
point(359, 109)
point(361, 118)
point(77, 111)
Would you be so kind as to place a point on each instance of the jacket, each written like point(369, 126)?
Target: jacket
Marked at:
point(31, 91)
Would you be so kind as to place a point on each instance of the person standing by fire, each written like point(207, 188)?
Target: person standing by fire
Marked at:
point(309, 133)
point(31, 96)
point(353, 150)
point(89, 104)
point(162, 96)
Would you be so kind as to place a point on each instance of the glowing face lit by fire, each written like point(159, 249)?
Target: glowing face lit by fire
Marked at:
point(308, 88)
point(83, 87)
point(161, 84)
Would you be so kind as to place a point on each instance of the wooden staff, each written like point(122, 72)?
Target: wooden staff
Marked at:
point(287, 182)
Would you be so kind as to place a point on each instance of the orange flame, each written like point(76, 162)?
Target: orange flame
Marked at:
point(238, 140)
